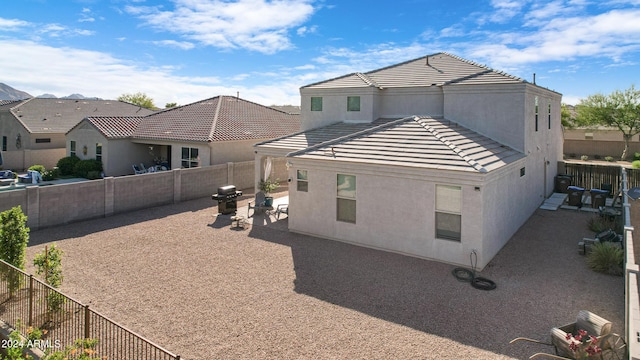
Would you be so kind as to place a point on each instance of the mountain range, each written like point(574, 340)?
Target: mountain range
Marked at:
point(9, 93)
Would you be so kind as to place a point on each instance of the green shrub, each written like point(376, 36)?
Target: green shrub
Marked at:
point(83, 167)
point(14, 236)
point(609, 158)
point(635, 164)
point(49, 175)
point(67, 164)
point(606, 258)
point(584, 157)
point(39, 168)
point(636, 156)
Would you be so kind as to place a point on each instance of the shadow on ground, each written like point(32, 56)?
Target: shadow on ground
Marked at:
point(541, 280)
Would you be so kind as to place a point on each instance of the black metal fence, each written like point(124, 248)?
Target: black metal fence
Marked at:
point(28, 302)
point(594, 176)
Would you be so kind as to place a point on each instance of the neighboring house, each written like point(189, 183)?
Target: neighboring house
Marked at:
point(436, 157)
point(33, 130)
point(214, 131)
point(597, 143)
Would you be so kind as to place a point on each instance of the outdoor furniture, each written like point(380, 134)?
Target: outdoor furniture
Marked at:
point(240, 221)
point(282, 209)
point(137, 170)
point(258, 204)
point(7, 174)
point(613, 345)
point(6, 177)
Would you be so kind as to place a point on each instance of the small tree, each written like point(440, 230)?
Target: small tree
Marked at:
point(140, 99)
point(49, 264)
point(620, 109)
point(14, 236)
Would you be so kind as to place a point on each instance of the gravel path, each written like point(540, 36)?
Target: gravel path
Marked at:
point(181, 276)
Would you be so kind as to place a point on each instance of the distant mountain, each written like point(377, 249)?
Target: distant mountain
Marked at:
point(9, 93)
point(72, 96)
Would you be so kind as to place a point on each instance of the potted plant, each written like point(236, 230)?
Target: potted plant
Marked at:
point(267, 186)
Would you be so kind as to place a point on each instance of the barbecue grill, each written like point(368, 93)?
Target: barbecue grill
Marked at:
point(227, 198)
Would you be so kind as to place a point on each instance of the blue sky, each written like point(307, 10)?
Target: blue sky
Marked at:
point(188, 50)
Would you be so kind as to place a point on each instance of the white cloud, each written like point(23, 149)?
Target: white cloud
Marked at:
point(92, 73)
point(12, 24)
point(257, 25)
point(184, 45)
point(504, 10)
point(302, 31)
point(610, 35)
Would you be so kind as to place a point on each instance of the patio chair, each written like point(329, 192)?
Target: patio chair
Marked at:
point(137, 170)
point(258, 204)
point(282, 209)
point(612, 345)
point(6, 174)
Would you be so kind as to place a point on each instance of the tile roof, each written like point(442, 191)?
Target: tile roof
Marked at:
point(437, 69)
point(221, 118)
point(44, 115)
point(114, 127)
point(425, 142)
point(8, 103)
point(305, 139)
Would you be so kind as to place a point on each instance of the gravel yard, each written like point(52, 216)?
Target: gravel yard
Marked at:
point(182, 277)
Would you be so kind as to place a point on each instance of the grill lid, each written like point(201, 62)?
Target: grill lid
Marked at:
point(227, 190)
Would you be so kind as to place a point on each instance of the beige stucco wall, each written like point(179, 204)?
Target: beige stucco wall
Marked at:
point(30, 153)
point(374, 104)
point(494, 111)
point(598, 142)
point(403, 102)
point(334, 106)
point(395, 209)
point(223, 152)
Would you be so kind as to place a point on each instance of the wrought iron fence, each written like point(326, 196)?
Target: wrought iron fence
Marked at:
point(28, 302)
point(593, 176)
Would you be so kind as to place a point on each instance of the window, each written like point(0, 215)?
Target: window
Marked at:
point(549, 116)
point(4, 143)
point(190, 157)
point(302, 181)
point(346, 206)
point(72, 147)
point(353, 103)
point(536, 113)
point(522, 172)
point(316, 103)
point(99, 152)
point(43, 140)
point(448, 212)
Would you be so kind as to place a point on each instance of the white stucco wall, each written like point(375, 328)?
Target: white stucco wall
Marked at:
point(494, 111)
point(334, 106)
point(223, 152)
point(403, 102)
point(395, 209)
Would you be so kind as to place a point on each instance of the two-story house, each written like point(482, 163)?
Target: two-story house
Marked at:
point(436, 157)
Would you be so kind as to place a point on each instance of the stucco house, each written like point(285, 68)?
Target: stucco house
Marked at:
point(213, 131)
point(33, 130)
point(436, 157)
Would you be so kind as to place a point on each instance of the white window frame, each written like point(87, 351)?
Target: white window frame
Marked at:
point(346, 210)
point(448, 214)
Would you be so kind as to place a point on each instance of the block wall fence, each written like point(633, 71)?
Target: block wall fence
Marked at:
point(51, 205)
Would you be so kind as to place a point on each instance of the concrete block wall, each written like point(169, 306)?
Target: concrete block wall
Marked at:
point(142, 191)
point(52, 205)
point(62, 204)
